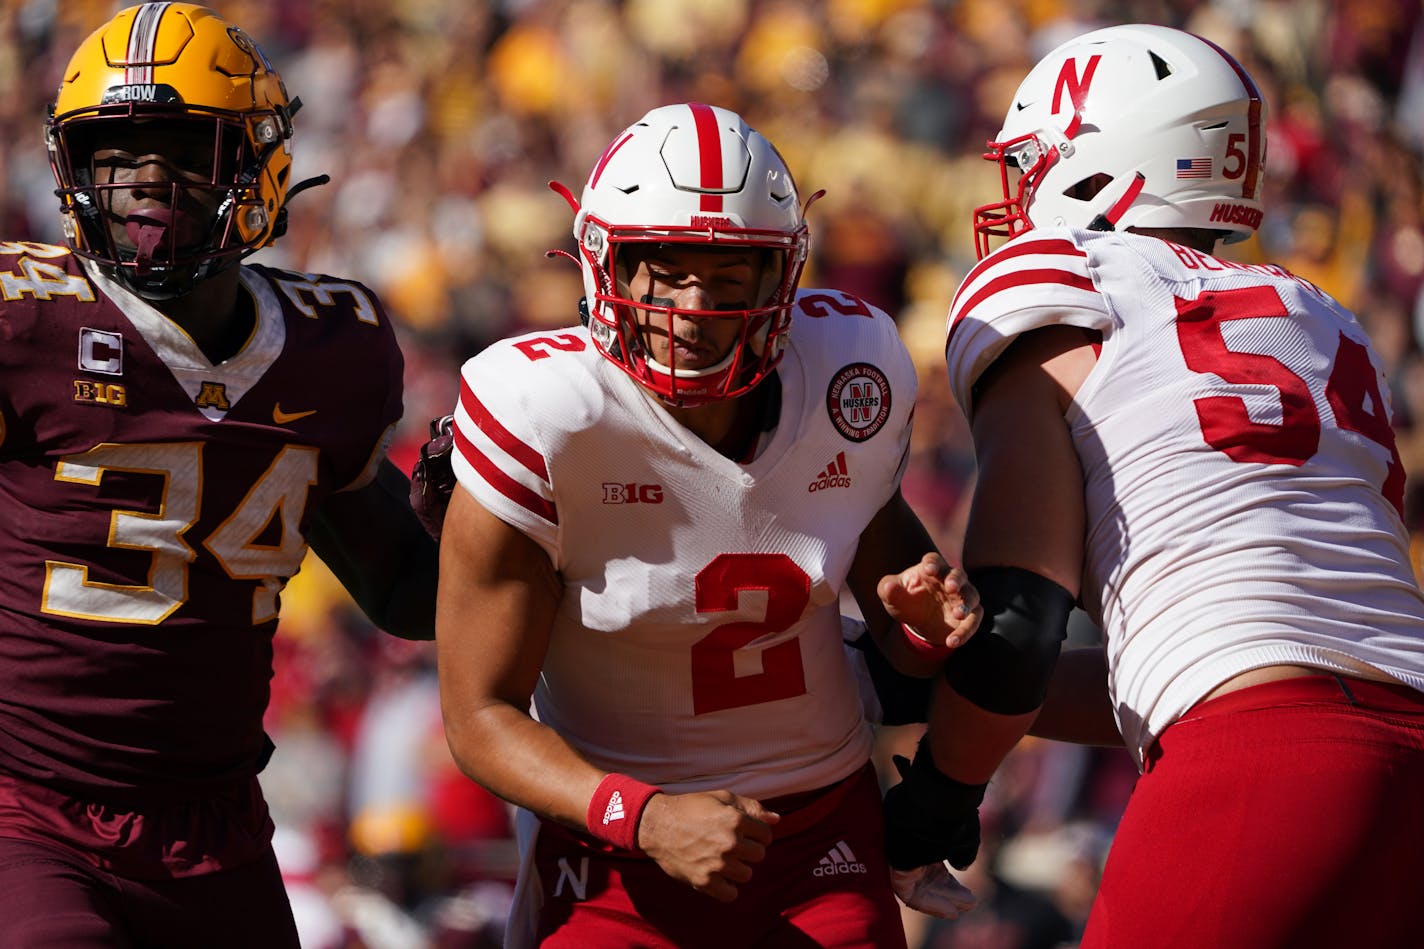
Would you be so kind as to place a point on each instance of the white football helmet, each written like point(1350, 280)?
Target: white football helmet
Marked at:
point(689, 174)
point(1131, 126)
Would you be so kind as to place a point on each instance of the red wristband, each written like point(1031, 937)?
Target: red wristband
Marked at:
point(936, 652)
point(615, 808)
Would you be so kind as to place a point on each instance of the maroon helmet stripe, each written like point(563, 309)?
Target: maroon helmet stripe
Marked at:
point(709, 149)
point(143, 38)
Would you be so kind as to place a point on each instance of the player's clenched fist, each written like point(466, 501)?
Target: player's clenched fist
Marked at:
point(708, 839)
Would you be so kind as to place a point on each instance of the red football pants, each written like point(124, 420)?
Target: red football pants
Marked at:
point(1288, 815)
point(825, 885)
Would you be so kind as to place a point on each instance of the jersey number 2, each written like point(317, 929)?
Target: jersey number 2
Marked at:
point(716, 684)
point(1352, 389)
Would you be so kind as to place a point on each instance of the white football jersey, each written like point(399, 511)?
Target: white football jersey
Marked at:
point(698, 643)
point(1243, 487)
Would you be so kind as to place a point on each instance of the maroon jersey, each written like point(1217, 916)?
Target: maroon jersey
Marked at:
point(152, 506)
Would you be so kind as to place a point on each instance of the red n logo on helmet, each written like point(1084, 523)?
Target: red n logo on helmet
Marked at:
point(1077, 88)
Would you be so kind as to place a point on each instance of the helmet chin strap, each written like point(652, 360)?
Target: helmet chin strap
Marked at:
point(659, 368)
point(1107, 221)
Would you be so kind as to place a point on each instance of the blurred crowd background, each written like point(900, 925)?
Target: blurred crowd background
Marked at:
point(441, 123)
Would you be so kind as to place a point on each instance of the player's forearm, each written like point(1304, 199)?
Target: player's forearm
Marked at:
point(1077, 707)
point(376, 547)
point(967, 742)
point(522, 761)
point(405, 606)
point(900, 652)
point(893, 541)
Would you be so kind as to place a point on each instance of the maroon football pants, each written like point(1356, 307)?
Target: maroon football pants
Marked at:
point(52, 897)
point(1288, 815)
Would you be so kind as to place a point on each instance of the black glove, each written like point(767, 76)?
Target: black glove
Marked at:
point(433, 478)
point(930, 817)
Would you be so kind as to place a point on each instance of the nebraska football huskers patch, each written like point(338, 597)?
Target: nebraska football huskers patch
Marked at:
point(858, 401)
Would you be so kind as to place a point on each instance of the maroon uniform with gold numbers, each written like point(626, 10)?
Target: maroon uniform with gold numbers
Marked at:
point(152, 506)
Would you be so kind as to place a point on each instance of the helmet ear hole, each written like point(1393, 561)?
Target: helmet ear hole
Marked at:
point(1089, 188)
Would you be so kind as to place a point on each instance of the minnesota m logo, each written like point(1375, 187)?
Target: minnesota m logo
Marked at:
point(213, 395)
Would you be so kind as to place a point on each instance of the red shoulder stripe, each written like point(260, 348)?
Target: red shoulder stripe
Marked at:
point(1018, 278)
point(502, 482)
point(1020, 248)
point(500, 435)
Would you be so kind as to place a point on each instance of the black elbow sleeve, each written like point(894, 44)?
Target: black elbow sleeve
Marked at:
point(1006, 665)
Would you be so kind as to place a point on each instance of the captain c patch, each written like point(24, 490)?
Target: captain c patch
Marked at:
point(101, 351)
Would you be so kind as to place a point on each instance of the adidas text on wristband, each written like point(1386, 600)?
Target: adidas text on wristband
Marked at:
point(615, 808)
point(922, 647)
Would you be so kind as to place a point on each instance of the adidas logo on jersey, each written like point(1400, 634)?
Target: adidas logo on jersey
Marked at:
point(835, 476)
point(839, 861)
point(614, 810)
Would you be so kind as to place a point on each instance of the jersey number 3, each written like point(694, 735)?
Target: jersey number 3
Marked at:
point(1352, 389)
point(240, 544)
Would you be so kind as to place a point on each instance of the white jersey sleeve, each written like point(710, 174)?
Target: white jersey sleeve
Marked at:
point(698, 641)
point(1243, 490)
point(1041, 279)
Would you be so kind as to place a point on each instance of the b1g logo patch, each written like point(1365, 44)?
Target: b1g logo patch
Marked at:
point(858, 401)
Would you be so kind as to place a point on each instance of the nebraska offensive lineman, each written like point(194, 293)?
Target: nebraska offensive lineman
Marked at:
point(1203, 452)
point(656, 516)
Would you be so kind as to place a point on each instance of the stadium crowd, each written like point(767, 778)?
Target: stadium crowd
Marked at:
point(441, 122)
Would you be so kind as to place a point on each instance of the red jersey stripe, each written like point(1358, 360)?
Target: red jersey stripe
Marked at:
point(1019, 278)
point(1020, 248)
point(502, 482)
point(500, 435)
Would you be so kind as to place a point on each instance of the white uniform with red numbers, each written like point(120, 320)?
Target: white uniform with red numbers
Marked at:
point(1213, 375)
point(698, 643)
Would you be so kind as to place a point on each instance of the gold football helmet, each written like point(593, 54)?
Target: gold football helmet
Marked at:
point(174, 72)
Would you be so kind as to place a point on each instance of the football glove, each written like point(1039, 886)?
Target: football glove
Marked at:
point(933, 890)
point(433, 478)
point(930, 817)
